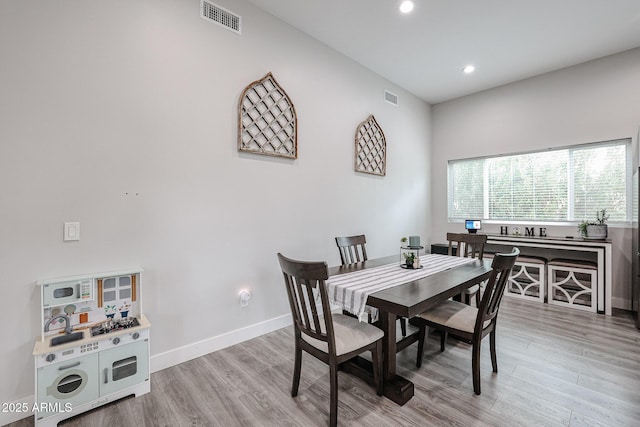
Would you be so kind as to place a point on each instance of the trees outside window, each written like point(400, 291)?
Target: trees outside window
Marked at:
point(560, 185)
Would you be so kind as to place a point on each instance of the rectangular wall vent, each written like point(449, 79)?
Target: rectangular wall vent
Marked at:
point(391, 98)
point(221, 16)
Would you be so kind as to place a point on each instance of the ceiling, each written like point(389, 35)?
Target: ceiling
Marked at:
point(507, 40)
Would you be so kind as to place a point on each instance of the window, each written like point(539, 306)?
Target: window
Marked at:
point(117, 289)
point(558, 185)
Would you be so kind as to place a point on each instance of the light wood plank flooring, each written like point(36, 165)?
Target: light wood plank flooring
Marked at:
point(556, 367)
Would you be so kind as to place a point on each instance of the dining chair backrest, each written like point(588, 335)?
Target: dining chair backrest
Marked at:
point(470, 323)
point(305, 281)
point(469, 245)
point(331, 338)
point(352, 249)
point(494, 290)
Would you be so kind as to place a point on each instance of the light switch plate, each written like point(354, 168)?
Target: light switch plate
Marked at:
point(71, 231)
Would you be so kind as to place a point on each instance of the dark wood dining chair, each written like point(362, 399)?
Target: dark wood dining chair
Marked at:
point(332, 338)
point(471, 324)
point(352, 249)
point(468, 245)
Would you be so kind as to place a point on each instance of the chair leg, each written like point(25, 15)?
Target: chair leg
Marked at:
point(403, 326)
point(296, 371)
point(475, 366)
point(421, 337)
point(478, 298)
point(333, 394)
point(492, 346)
point(376, 358)
point(443, 340)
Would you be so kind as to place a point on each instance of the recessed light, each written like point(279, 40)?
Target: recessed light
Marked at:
point(468, 69)
point(406, 6)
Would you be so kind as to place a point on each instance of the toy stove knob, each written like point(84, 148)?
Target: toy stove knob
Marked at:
point(50, 357)
point(135, 335)
point(116, 341)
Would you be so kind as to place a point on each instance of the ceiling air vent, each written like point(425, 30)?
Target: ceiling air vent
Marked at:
point(391, 98)
point(221, 16)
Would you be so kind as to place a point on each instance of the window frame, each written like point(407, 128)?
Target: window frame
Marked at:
point(627, 142)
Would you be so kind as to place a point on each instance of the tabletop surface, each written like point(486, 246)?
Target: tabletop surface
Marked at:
point(416, 296)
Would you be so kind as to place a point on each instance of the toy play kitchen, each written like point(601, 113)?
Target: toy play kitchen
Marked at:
point(94, 346)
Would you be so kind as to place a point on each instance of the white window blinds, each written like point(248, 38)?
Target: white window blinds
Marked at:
point(559, 185)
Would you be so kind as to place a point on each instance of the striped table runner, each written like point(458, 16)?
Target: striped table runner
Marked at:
point(350, 290)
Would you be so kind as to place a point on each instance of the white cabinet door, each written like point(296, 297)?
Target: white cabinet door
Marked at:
point(123, 366)
point(72, 381)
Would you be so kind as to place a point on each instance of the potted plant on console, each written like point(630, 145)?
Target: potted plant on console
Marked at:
point(597, 229)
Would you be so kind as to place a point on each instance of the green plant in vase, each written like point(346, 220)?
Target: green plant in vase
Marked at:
point(597, 229)
point(409, 258)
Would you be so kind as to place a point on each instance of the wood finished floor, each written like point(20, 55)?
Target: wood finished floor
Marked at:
point(557, 367)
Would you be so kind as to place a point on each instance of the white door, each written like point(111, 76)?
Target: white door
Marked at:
point(73, 381)
point(123, 366)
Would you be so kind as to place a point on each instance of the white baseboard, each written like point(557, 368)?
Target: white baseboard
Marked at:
point(172, 357)
point(14, 411)
point(191, 351)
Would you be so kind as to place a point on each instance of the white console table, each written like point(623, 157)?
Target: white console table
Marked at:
point(598, 251)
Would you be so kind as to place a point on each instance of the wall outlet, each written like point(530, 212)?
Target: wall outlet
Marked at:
point(245, 296)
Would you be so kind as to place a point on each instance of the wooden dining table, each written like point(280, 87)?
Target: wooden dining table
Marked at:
point(407, 300)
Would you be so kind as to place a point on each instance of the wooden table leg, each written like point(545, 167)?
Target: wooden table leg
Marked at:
point(388, 323)
point(396, 388)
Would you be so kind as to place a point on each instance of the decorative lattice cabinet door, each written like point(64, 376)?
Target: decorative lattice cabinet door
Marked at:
point(267, 122)
point(371, 148)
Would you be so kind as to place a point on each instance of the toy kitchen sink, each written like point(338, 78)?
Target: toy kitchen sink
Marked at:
point(94, 346)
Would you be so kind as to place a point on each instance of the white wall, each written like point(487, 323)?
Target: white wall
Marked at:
point(101, 99)
point(594, 101)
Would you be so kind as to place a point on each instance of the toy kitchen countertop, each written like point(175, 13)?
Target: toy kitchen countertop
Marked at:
point(99, 333)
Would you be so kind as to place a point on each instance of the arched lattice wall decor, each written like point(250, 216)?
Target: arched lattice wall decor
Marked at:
point(267, 122)
point(371, 148)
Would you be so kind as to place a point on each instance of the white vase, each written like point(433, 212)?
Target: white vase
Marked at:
point(597, 231)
